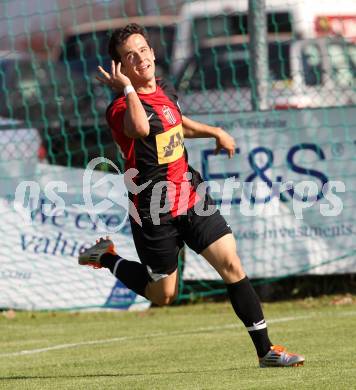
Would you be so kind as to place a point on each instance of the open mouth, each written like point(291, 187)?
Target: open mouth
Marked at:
point(144, 68)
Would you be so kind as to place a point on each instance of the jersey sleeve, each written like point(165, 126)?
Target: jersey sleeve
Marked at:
point(115, 115)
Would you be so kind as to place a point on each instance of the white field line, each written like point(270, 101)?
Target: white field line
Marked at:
point(166, 334)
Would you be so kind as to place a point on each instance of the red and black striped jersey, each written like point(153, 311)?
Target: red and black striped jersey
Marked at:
point(161, 156)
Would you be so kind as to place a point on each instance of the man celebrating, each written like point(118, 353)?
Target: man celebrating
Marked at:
point(149, 128)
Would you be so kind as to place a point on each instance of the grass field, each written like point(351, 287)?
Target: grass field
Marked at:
point(199, 346)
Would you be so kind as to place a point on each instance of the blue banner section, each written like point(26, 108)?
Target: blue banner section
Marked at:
point(120, 297)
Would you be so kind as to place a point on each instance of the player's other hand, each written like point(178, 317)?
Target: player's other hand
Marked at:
point(224, 141)
point(115, 80)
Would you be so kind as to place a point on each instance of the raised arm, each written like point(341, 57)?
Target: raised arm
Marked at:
point(136, 124)
point(194, 129)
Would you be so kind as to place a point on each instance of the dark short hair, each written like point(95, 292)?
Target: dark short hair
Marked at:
point(120, 35)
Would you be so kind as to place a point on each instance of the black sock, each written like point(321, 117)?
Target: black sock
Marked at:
point(247, 307)
point(134, 275)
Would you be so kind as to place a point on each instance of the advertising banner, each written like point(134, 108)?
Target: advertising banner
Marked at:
point(45, 223)
point(288, 193)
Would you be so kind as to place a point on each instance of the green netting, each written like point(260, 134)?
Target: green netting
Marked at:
point(53, 124)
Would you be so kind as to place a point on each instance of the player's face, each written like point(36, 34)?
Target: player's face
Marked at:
point(137, 59)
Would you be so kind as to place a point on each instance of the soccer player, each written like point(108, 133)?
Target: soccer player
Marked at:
point(149, 128)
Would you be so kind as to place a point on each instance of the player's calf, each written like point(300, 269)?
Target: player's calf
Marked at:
point(133, 274)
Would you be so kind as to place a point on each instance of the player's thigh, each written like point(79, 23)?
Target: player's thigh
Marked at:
point(222, 255)
point(200, 231)
point(212, 237)
point(158, 248)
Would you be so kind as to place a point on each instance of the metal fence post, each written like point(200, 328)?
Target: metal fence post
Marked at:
point(257, 29)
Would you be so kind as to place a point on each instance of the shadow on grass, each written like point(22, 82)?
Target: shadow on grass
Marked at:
point(25, 377)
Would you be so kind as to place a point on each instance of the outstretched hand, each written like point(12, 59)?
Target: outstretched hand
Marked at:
point(115, 80)
point(224, 141)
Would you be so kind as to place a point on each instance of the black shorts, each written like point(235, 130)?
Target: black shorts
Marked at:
point(158, 246)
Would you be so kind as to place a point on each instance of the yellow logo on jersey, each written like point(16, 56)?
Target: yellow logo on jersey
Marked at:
point(170, 145)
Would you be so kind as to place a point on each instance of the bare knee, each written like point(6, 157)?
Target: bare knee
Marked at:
point(231, 269)
point(222, 255)
point(165, 299)
point(161, 295)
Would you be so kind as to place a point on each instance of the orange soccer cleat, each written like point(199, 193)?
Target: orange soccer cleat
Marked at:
point(92, 255)
point(279, 357)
